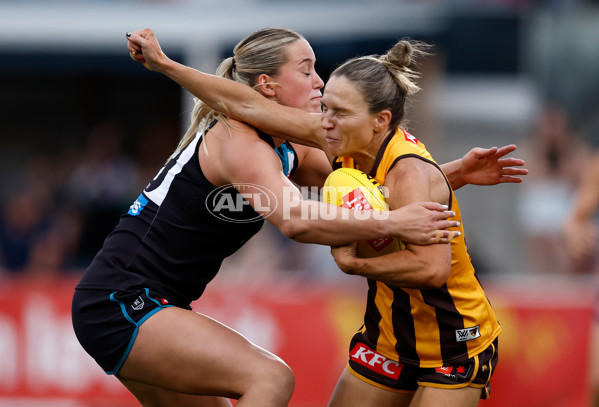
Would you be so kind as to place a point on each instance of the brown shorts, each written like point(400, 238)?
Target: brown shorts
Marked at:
point(371, 367)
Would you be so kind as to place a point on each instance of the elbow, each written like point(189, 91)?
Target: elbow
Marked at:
point(437, 276)
point(293, 229)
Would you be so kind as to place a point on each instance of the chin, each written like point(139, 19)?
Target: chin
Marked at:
point(315, 107)
point(334, 150)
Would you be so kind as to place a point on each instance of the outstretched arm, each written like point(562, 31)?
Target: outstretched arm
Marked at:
point(482, 166)
point(310, 221)
point(479, 166)
point(229, 97)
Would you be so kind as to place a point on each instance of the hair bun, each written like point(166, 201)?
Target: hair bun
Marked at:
point(400, 55)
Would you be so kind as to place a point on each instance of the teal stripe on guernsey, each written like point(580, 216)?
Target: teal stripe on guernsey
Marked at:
point(287, 157)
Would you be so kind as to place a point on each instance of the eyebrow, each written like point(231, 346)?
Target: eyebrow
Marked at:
point(338, 109)
point(309, 60)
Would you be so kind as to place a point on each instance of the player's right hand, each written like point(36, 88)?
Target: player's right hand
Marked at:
point(425, 223)
point(144, 47)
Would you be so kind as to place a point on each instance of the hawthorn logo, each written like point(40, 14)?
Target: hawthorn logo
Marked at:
point(467, 334)
point(367, 357)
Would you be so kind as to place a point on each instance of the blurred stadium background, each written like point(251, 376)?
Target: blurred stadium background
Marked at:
point(83, 128)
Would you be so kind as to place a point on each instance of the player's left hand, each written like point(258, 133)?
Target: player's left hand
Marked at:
point(487, 166)
point(345, 257)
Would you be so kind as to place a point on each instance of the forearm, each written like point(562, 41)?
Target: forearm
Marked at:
point(453, 172)
point(316, 222)
point(223, 95)
point(241, 102)
point(227, 96)
point(405, 269)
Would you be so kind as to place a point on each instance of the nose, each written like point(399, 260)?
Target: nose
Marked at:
point(318, 82)
point(325, 121)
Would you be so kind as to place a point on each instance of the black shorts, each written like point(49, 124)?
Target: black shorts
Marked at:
point(106, 323)
point(371, 367)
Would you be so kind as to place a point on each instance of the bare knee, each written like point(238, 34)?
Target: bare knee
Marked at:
point(275, 381)
point(280, 380)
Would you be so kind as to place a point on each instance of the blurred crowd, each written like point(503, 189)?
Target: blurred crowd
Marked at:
point(561, 162)
point(56, 209)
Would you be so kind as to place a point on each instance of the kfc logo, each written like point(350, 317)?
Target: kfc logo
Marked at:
point(374, 361)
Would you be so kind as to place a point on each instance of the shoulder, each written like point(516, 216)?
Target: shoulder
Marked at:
point(238, 148)
point(406, 156)
point(401, 146)
point(233, 127)
point(403, 142)
point(233, 137)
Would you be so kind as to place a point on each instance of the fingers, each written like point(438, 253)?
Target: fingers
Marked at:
point(514, 171)
point(505, 150)
point(444, 236)
point(441, 214)
point(434, 206)
point(136, 40)
point(137, 56)
point(511, 162)
point(486, 152)
point(443, 222)
point(512, 175)
point(451, 235)
point(134, 48)
point(509, 180)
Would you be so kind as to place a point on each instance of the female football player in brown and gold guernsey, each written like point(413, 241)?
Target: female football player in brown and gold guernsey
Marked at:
point(430, 335)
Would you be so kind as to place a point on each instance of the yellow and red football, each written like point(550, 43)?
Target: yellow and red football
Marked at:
point(352, 188)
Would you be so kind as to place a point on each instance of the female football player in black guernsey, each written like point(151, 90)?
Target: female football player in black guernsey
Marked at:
point(404, 353)
point(131, 309)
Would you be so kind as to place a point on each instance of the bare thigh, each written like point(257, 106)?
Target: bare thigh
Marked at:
point(434, 397)
point(351, 391)
point(189, 353)
point(149, 395)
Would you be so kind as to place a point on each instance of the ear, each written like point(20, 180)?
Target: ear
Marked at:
point(382, 120)
point(265, 86)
